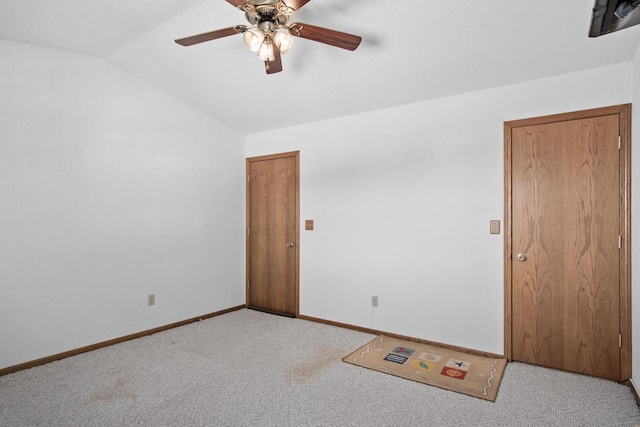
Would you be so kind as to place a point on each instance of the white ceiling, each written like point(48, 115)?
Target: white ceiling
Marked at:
point(412, 50)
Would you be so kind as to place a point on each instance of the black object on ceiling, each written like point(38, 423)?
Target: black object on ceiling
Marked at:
point(614, 15)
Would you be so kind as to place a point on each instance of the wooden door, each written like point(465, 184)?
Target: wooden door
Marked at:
point(272, 233)
point(566, 240)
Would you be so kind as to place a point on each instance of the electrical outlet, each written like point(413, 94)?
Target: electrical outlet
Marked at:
point(308, 224)
point(494, 226)
point(151, 299)
point(374, 301)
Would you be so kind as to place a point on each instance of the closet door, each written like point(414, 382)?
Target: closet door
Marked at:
point(566, 235)
point(272, 233)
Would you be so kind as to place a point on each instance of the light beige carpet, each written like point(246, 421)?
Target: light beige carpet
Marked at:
point(248, 368)
point(461, 372)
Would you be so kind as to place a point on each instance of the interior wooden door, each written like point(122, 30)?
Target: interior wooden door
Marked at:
point(272, 233)
point(566, 235)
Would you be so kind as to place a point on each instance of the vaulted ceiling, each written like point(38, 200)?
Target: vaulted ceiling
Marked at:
point(412, 50)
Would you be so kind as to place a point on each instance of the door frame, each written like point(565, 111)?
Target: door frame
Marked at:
point(624, 112)
point(249, 160)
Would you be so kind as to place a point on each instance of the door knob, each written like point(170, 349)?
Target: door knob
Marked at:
point(290, 244)
point(522, 257)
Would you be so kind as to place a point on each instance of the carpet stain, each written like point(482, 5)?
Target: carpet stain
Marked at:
point(308, 369)
point(116, 392)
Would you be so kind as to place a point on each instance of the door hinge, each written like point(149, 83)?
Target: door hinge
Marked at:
point(248, 285)
point(619, 242)
point(248, 178)
point(248, 231)
point(619, 341)
point(619, 142)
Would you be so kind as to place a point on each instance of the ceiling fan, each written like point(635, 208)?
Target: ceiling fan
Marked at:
point(270, 33)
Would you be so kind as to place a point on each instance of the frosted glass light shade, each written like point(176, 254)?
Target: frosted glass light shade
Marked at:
point(283, 40)
point(266, 52)
point(253, 39)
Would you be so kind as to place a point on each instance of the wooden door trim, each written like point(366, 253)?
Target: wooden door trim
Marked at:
point(624, 112)
point(249, 160)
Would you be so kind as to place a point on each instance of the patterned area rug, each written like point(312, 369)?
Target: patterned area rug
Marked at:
point(461, 372)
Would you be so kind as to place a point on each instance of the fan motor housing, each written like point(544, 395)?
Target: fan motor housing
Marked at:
point(267, 11)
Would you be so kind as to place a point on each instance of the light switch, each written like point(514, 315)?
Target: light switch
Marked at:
point(494, 226)
point(308, 224)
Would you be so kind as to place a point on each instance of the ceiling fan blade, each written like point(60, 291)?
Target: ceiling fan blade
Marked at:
point(236, 3)
point(205, 37)
point(296, 4)
point(274, 66)
point(325, 35)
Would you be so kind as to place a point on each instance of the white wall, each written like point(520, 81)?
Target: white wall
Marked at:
point(635, 221)
point(402, 200)
point(109, 190)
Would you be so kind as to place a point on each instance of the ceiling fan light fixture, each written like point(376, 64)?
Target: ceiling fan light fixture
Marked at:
point(270, 34)
point(283, 40)
point(253, 39)
point(266, 52)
